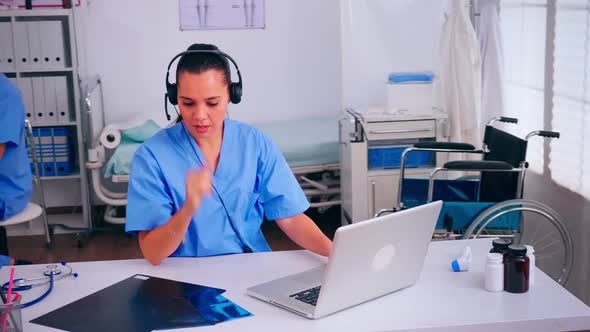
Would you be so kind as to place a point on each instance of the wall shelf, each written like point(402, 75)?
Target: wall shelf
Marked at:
point(35, 12)
point(56, 71)
point(65, 124)
point(42, 46)
point(75, 175)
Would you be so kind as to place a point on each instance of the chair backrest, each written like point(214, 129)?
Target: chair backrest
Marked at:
point(501, 146)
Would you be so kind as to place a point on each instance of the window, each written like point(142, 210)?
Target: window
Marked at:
point(570, 156)
point(523, 26)
point(563, 63)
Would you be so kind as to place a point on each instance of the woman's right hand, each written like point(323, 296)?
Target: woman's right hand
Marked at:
point(198, 185)
point(161, 242)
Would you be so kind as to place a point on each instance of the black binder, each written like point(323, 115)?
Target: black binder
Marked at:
point(144, 303)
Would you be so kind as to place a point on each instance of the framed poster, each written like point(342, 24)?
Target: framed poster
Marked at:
point(221, 14)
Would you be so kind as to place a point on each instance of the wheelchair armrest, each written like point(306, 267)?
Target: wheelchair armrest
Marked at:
point(478, 165)
point(445, 146)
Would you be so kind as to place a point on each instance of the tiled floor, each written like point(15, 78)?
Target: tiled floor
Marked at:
point(111, 244)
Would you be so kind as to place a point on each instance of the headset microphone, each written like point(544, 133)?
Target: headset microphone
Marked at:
point(166, 107)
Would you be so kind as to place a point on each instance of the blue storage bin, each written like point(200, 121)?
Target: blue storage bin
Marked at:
point(54, 151)
point(411, 77)
point(390, 157)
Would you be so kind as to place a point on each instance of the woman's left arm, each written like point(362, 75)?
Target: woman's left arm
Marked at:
point(303, 231)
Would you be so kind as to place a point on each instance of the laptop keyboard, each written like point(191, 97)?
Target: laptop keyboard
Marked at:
point(309, 296)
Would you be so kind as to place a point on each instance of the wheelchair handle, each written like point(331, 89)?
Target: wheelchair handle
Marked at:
point(549, 134)
point(508, 120)
point(543, 133)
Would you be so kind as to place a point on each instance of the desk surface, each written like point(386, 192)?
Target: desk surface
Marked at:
point(441, 300)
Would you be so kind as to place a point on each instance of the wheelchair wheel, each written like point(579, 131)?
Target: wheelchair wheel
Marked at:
point(541, 227)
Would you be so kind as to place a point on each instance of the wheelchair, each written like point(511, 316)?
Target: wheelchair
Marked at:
point(492, 204)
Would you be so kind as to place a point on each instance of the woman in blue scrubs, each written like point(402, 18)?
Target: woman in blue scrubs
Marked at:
point(203, 186)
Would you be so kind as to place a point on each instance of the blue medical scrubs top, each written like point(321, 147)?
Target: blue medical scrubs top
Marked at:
point(252, 179)
point(15, 172)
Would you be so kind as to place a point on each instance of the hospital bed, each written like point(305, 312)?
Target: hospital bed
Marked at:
point(98, 154)
point(310, 147)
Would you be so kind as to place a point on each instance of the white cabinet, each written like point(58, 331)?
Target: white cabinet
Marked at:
point(371, 141)
point(383, 188)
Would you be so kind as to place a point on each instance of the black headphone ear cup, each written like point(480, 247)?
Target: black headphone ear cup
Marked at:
point(235, 93)
point(172, 90)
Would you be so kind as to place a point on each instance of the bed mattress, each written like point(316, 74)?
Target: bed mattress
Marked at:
point(305, 142)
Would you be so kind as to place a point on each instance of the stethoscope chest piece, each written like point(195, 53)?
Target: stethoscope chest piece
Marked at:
point(52, 270)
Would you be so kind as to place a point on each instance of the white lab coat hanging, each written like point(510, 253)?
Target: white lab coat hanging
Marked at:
point(460, 75)
point(492, 57)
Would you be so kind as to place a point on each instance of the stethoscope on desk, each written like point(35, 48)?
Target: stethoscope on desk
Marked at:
point(52, 273)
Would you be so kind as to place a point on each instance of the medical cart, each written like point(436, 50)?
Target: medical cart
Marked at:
point(371, 144)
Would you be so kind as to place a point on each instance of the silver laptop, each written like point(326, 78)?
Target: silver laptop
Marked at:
point(369, 259)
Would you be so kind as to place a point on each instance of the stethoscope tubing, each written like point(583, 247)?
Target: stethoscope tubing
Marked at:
point(51, 276)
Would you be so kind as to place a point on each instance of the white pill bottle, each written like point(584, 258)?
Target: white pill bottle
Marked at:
point(494, 273)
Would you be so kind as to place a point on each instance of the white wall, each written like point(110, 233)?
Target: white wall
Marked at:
point(382, 36)
point(291, 69)
point(313, 57)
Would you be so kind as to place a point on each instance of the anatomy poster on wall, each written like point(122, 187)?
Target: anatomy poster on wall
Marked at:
point(221, 14)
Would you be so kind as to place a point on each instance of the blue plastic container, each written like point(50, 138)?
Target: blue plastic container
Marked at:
point(390, 157)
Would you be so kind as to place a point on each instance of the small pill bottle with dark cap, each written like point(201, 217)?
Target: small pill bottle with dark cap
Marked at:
point(500, 246)
point(516, 270)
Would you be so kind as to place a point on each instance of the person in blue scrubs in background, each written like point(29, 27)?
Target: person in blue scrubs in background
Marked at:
point(15, 172)
point(203, 186)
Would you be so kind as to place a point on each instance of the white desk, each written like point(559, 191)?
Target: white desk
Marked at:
point(441, 300)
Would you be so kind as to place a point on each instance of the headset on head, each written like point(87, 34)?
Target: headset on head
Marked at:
point(235, 88)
